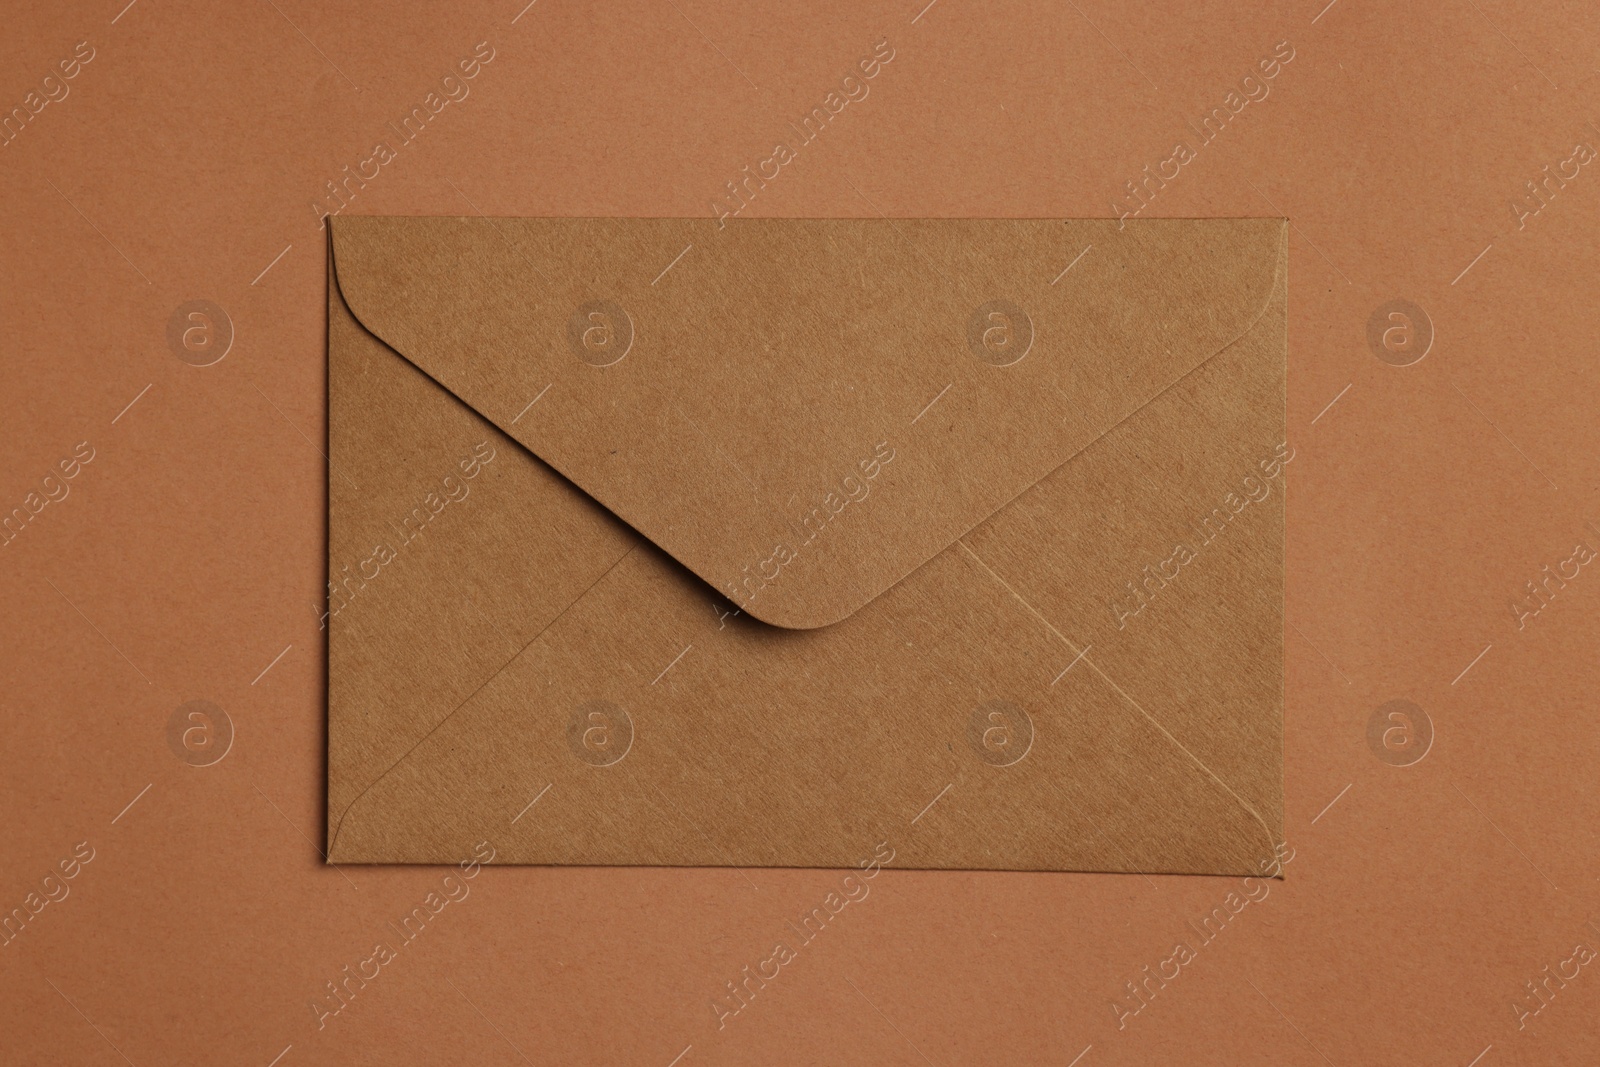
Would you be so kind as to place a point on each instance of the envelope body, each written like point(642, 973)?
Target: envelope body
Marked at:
point(658, 542)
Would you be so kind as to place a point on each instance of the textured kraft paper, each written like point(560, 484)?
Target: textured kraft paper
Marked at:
point(1439, 882)
point(749, 558)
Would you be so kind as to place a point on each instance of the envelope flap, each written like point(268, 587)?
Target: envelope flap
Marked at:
point(802, 412)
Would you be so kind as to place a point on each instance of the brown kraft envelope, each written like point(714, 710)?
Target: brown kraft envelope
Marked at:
point(657, 542)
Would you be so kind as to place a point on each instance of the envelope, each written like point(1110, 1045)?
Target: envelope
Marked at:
point(799, 542)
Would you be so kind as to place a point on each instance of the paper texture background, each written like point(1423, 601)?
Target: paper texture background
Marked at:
point(184, 561)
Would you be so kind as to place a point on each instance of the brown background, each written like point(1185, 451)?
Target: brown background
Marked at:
point(189, 552)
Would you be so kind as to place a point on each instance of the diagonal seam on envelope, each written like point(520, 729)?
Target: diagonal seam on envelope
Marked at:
point(1055, 369)
point(451, 713)
point(1082, 654)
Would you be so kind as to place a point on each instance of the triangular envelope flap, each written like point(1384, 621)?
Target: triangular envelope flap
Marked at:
point(802, 412)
